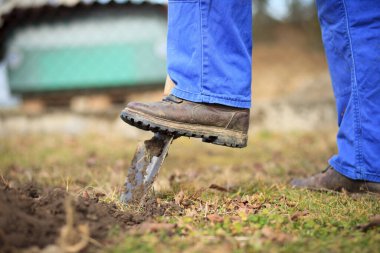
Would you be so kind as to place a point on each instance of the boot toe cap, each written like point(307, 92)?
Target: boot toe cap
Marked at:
point(138, 107)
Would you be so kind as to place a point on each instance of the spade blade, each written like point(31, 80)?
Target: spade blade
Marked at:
point(146, 164)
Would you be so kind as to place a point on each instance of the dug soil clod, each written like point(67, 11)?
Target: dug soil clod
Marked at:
point(32, 216)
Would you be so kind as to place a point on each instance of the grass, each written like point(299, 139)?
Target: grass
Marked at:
point(258, 213)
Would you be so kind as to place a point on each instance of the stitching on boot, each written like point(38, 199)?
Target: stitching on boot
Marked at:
point(229, 122)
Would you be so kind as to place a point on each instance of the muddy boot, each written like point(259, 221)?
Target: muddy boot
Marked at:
point(330, 179)
point(217, 124)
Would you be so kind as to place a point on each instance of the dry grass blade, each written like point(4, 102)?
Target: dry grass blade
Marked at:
point(73, 239)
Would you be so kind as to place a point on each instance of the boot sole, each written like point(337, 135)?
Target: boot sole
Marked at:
point(209, 134)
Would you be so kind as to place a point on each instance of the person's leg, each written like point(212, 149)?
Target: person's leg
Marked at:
point(351, 37)
point(209, 60)
point(353, 51)
point(209, 50)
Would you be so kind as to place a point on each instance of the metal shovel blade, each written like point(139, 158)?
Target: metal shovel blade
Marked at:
point(145, 166)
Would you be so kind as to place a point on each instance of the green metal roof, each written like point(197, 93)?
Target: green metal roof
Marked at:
point(99, 48)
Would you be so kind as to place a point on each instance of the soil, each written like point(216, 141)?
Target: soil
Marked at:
point(32, 216)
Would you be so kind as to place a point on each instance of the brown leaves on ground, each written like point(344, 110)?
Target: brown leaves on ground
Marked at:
point(183, 200)
point(275, 236)
point(179, 197)
point(373, 222)
point(215, 218)
point(298, 215)
point(154, 227)
point(218, 188)
point(247, 205)
point(235, 209)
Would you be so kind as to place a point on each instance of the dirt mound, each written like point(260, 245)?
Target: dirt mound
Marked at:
point(32, 216)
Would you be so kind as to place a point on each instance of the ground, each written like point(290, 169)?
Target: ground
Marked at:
point(207, 198)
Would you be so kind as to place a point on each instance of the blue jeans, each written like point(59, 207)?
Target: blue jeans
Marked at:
point(209, 60)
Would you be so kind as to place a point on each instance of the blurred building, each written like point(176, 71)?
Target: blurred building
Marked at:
point(63, 46)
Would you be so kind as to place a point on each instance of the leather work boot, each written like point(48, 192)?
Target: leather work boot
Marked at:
point(330, 179)
point(217, 124)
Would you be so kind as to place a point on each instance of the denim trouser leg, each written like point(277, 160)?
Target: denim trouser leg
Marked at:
point(351, 36)
point(209, 50)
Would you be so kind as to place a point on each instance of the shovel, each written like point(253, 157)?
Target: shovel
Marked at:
point(147, 161)
point(146, 164)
